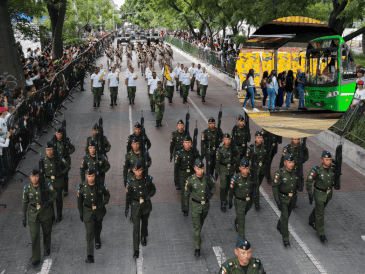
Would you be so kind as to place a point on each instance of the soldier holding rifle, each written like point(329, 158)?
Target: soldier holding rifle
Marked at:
point(242, 134)
point(271, 142)
point(176, 144)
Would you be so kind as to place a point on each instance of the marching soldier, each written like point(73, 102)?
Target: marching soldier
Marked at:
point(182, 70)
point(140, 189)
point(185, 78)
point(159, 99)
point(211, 141)
point(55, 170)
point(143, 63)
point(177, 73)
point(89, 161)
point(132, 156)
point(96, 86)
point(128, 54)
point(151, 86)
point(138, 135)
point(95, 131)
point(260, 149)
point(243, 263)
point(285, 194)
point(113, 82)
point(184, 162)
point(91, 204)
point(227, 161)
point(323, 175)
point(39, 214)
point(170, 85)
point(169, 55)
point(131, 83)
point(243, 136)
point(176, 144)
point(161, 55)
point(64, 150)
point(271, 142)
point(103, 71)
point(203, 83)
point(241, 187)
point(197, 73)
point(192, 71)
point(201, 187)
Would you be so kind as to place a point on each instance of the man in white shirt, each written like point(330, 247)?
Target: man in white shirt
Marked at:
point(29, 81)
point(197, 73)
point(181, 71)
point(113, 82)
point(131, 83)
point(152, 85)
point(103, 84)
point(203, 82)
point(177, 71)
point(170, 85)
point(185, 78)
point(359, 94)
point(192, 70)
point(96, 85)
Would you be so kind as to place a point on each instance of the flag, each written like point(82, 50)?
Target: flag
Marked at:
point(166, 73)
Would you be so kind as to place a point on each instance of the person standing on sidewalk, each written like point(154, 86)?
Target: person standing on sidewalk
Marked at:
point(289, 86)
point(263, 85)
point(300, 87)
point(250, 90)
point(272, 89)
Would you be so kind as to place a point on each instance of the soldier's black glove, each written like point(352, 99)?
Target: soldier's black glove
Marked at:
point(101, 205)
point(216, 176)
point(59, 175)
point(126, 212)
point(310, 198)
point(230, 204)
point(125, 182)
point(187, 210)
point(81, 217)
point(147, 198)
point(24, 221)
point(210, 196)
point(279, 204)
point(45, 204)
point(171, 158)
point(336, 187)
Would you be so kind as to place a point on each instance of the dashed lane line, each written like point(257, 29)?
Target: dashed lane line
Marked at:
point(218, 251)
point(130, 120)
point(46, 267)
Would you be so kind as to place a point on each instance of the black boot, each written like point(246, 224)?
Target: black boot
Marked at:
point(136, 254)
point(151, 108)
point(111, 102)
point(89, 259)
point(94, 105)
point(144, 241)
point(154, 109)
point(130, 101)
point(98, 103)
point(47, 252)
point(203, 99)
point(157, 124)
point(133, 101)
point(197, 252)
point(115, 102)
point(35, 263)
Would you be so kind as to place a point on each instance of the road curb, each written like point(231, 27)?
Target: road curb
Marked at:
point(352, 154)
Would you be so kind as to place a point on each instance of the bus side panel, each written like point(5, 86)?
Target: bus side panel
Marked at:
point(346, 94)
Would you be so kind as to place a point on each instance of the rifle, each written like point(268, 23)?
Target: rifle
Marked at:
point(234, 140)
point(143, 145)
point(55, 150)
point(247, 126)
point(195, 138)
point(97, 172)
point(254, 173)
point(187, 123)
point(268, 148)
point(41, 180)
point(101, 132)
point(64, 132)
point(147, 185)
point(208, 174)
point(300, 164)
point(338, 164)
point(216, 142)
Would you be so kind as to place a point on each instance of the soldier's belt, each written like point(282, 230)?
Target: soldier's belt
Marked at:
point(51, 177)
point(289, 194)
point(243, 199)
point(227, 165)
point(91, 207)
point(188, 170)
point(328, 191)
point(36, 206)
point(200, 202)
point(140, 200)
point(241, 145)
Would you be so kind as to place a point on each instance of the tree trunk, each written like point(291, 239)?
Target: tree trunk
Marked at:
point(224, 32)
point(363, 43)
point(10, 65)
point(201, 30)
point(338, 24)
point(57, 17)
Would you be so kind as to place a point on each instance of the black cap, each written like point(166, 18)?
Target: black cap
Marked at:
point(59, 130)
point(92, 144)
point(90, 170)
point(289, 157)
point(361, 71)
point(199, 163)
point(326, 154)
point(226, 135)
point(96, 126)
point(241, 118)
point(242, 243)
point(187, 138)
point(49, 144)
point(245, 162)
point(258, 133)
point(211, 120)
point(34, 171)
point(137, 125)
point(135, 140)
point(159, 82)
point(180, 122)
point(137, 165)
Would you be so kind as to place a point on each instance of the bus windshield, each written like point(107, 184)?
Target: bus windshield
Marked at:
point(322, 67)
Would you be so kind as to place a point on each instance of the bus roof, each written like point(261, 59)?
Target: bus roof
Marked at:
point(329, 37)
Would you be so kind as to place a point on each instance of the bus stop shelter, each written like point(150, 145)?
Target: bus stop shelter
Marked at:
point(293, 29)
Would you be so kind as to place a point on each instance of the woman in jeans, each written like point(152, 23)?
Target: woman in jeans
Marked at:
point(264, 87)
point(272, 89)
point(289, 86)
point(250, 90)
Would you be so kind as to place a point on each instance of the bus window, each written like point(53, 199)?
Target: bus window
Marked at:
point(348, 65)
point(322, 67)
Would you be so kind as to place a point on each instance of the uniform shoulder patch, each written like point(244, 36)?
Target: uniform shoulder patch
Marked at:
point(315, 168)
point(69, 139)
point(234, 177)
point(104, 184)
point(150, 177)
point(24, 187)
point(49, 184)
point(126, 154)
point(81, 185)
point(279, 170)
point(178, 152)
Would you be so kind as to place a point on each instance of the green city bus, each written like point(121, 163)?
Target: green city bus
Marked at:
point(330, 74)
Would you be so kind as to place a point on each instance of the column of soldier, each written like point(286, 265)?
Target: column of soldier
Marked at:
point(241, 169)
point(181, 77)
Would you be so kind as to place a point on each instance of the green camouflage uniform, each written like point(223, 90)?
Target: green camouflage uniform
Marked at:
point(159, 98)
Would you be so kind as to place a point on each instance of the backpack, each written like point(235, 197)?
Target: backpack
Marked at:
point(289, 84)
point(244, 84)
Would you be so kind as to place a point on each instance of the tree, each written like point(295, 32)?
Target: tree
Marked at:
point(57, 12)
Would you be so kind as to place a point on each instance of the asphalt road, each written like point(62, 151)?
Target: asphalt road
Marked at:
point(170, 246)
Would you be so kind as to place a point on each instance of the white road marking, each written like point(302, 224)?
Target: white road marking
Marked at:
point(46, 267)
point(221, 258)
point(363, 237)
point(3, 272)
point(130, 120)
point(304, 247)
point(139, 261)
